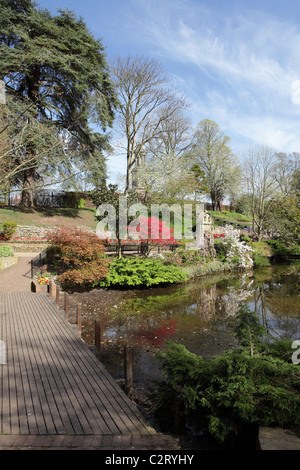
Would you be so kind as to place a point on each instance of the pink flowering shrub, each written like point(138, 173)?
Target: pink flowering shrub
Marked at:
point(152, 230)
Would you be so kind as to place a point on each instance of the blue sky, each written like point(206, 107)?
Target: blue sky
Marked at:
point(237, 62)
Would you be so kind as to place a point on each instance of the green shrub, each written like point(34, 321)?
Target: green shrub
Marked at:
point(221, 250)
point(295, 250)
point(247, 239)
point(259, 260)
point(182, 256)
point(278, 247)
point(281, 249)
point(7, 229)
point(253, 385)
point(81, 204)
point(140, 272)
point(6, 251)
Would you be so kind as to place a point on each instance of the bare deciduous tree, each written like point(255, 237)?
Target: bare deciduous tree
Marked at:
point(143, 89)
point(261, 182)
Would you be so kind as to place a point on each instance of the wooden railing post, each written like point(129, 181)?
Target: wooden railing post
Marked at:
point(57, 296)
point(66, 304)
point(51, 288)
point(97, 337)
point(79, 321)
point(128, 370)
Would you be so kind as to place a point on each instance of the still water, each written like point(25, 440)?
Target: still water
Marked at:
point(200, 315)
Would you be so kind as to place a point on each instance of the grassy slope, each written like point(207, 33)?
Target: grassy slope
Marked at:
point(227, 216)
point(49, 217)
point(84, 217)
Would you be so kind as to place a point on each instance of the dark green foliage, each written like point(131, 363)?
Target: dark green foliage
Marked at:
point(249, 331)
point(140, 272)
point(71, 199)
point(259, 260)
point(55, 66)
point(255, 384)
point(284, 249)
point(221, 250)
point(56, 62)
point(105, 195)
point(295, 250)
point(278, 247)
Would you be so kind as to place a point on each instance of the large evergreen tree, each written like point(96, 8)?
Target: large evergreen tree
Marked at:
point(56, 66)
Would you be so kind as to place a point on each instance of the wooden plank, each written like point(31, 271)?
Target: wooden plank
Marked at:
point(43, 378)
point(52, 382)
point(64, 396)
point(6, 399)
point(77, 398)
point(82, 379)
point(108, 393)
point(31, 409)
point(17, 405)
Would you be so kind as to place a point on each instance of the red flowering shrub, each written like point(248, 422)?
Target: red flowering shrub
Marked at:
point(218, 235)
point(79, 257)
point(153, 230)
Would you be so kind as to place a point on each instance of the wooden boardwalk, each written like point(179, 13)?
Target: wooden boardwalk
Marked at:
point(51, 384)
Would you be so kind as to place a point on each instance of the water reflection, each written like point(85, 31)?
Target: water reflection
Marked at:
point(201, 315)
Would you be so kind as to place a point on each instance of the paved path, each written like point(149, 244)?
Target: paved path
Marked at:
point(279, 439)
point(17, 278)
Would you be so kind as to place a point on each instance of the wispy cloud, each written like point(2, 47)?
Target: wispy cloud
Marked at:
point(242, 70)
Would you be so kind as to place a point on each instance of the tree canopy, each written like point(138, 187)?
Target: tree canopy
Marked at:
point(212, 152)
point(55, 66)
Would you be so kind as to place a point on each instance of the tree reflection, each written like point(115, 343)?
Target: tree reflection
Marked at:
point(276, 301)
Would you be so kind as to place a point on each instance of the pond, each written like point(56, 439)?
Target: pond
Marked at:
point(199, 314)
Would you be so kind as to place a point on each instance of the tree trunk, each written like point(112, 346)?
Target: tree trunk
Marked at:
point(119, 249)
point(27, 191)
point(6, 190)
point(213, 201)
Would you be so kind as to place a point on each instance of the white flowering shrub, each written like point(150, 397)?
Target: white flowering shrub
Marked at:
point(236, 251)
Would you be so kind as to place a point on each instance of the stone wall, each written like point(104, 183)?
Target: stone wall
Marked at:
point(24, 232)
point(35, 233)
point(7, 261)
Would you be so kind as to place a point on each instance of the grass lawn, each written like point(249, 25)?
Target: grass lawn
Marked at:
point(46, 216)
point(226, 216)
point(61, 216)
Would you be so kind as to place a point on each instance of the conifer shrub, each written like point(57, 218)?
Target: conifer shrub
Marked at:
point(295, 250)
point(259, 260)
point(253, 385)
point(141, 272)
point(278, 247)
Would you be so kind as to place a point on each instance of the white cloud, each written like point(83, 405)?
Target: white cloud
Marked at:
point(243, 68)
point(296, 92)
